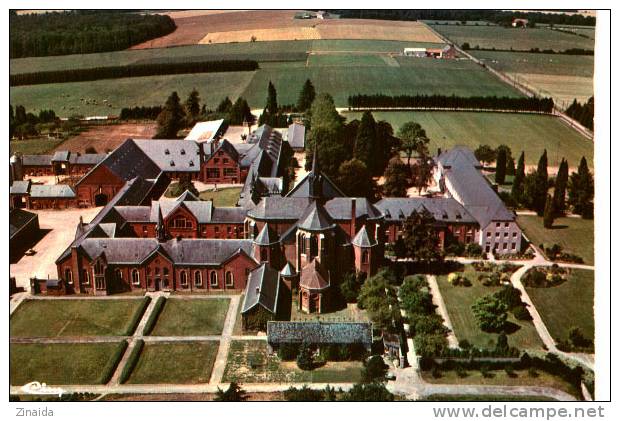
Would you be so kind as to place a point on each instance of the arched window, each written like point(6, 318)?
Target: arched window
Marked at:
point(98, 268)
point(85, 277)
point(198, 279)
point(183, 278)
point(314, 246)
point(364, 256)
point(263, 255)
point(135, 277)
point(118, 275)
point(230, 282)
point(166, 271)
point(68, 276)
point(213, 279)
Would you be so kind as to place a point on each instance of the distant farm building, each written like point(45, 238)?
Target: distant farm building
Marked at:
point(447, 51)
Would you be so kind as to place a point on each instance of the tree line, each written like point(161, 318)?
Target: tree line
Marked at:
point(501, 17)
point(82, 31)
point(132, 70)
point(583, 113)
point(544, 105)
point(534, 50)
point(140, 113)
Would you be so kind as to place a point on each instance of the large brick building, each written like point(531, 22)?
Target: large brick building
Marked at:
point(60, 163)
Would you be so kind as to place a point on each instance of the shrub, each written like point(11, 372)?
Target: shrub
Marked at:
point(305, 394)
point(157, 308)
point(521, 313)
point(473, 250)
point(532, 372)
point(110, 367)
point(288, 352)
point(132, 360)
point(485, 371)
point(137, 316)
point(305, 358)
point(436, 372)
point(374, 369)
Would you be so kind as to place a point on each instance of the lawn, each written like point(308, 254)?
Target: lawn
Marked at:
point(58, 317)
point(570, 304)
point(64, 98)
point(445, 77)
point(575, 235)
point(357, 60)
point(192, 317)
point(529, 132)
point(224, 196)
point(459, 300)
point(175, 362)
point(515, 38)
point(39, 145)
point(500, 378)
point(57, 364)
point(269, 368)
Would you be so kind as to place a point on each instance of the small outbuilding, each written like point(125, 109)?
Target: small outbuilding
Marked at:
point(318, 334)
point(262, 294)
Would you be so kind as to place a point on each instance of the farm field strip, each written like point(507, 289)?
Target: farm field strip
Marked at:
point(528, 132)
point(549, 64)
point(515, 38)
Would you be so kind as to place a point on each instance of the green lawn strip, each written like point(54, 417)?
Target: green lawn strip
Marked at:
point(154, 315)
point(575, 235)
point(570, 304)
point(48, 318)
point(521, 132)
point(249, 362)
point(224, 196)
point(58, 364)
point(175, 362)
point(500, 378)
point(137, 316)
point(459, 299)
point(192, 317)
point(486, 398)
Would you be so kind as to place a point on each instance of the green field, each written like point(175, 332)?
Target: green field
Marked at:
point(575, 235)
point(515, 38)
point(44, 318)
point(39, 145)
point(57, 364)
point(459, 300)
point(563, 77)
point(192, 317)
point(529, 132)
point(249, 362)
point(570, 304)
point(175, 362)
point(228, 196)
point(425, 77)
point(357, 60)
point(65, 98)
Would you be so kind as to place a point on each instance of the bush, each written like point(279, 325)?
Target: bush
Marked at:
point(305, 394)
point(132, 360)
point(374, 369)
point(521, 313)
point(137, 316)
point(110, 367)
point(305, 358)
point(157, 308)
point(473, 250)
point(288, 352)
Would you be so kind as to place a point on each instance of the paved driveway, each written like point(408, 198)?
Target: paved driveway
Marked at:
point(61, 225)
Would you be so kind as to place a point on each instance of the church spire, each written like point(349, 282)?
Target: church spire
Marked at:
point(314, 177)
point(160, 230)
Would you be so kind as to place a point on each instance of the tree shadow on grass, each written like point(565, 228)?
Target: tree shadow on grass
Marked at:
point(558, 227)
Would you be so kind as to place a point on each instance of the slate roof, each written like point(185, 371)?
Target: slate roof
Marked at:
point(315, 218)
point(187, 196)
point(262, 289)
point(172, 155)
point(296, 135)
point(202, 210)
point(314, 276)
point(87, 158)
point(340, 208)
point(19, 219)
point(134, 213)
point(362, 239)
point(182, 252)
point(61, 156)
point(279, 208)
point(37, 160)
point(471, 188)
point(443, 209)
point(328, 188)
point(53, 190)
point(266, 236)
point(128, 161)
point(226, 146)
point(319, 333)
point(265, 154)
point(20, 187)
point(231, 215)
point(288, 270)
point(135, 191)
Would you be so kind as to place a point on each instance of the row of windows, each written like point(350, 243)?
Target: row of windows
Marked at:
point(215, 172)
point(499, 224)
point(497, 234)
point(135, 277)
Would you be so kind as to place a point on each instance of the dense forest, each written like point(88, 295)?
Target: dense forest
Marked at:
point(583, 113)
point(496, 16)
point(82, 31)
point(452, 102)
point(132, 70)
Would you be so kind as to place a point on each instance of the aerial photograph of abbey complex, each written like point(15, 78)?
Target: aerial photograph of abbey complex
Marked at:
point(303, 205)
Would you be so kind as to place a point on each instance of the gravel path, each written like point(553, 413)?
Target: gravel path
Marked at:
point(443, 311)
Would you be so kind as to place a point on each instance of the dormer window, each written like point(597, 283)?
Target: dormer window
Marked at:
point(167, 151)
point(171, 163)
point(458, 215)
point(445, 215)
point(182, 151)
point(191, 163)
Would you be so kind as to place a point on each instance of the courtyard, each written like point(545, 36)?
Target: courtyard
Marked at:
point(192, 317)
